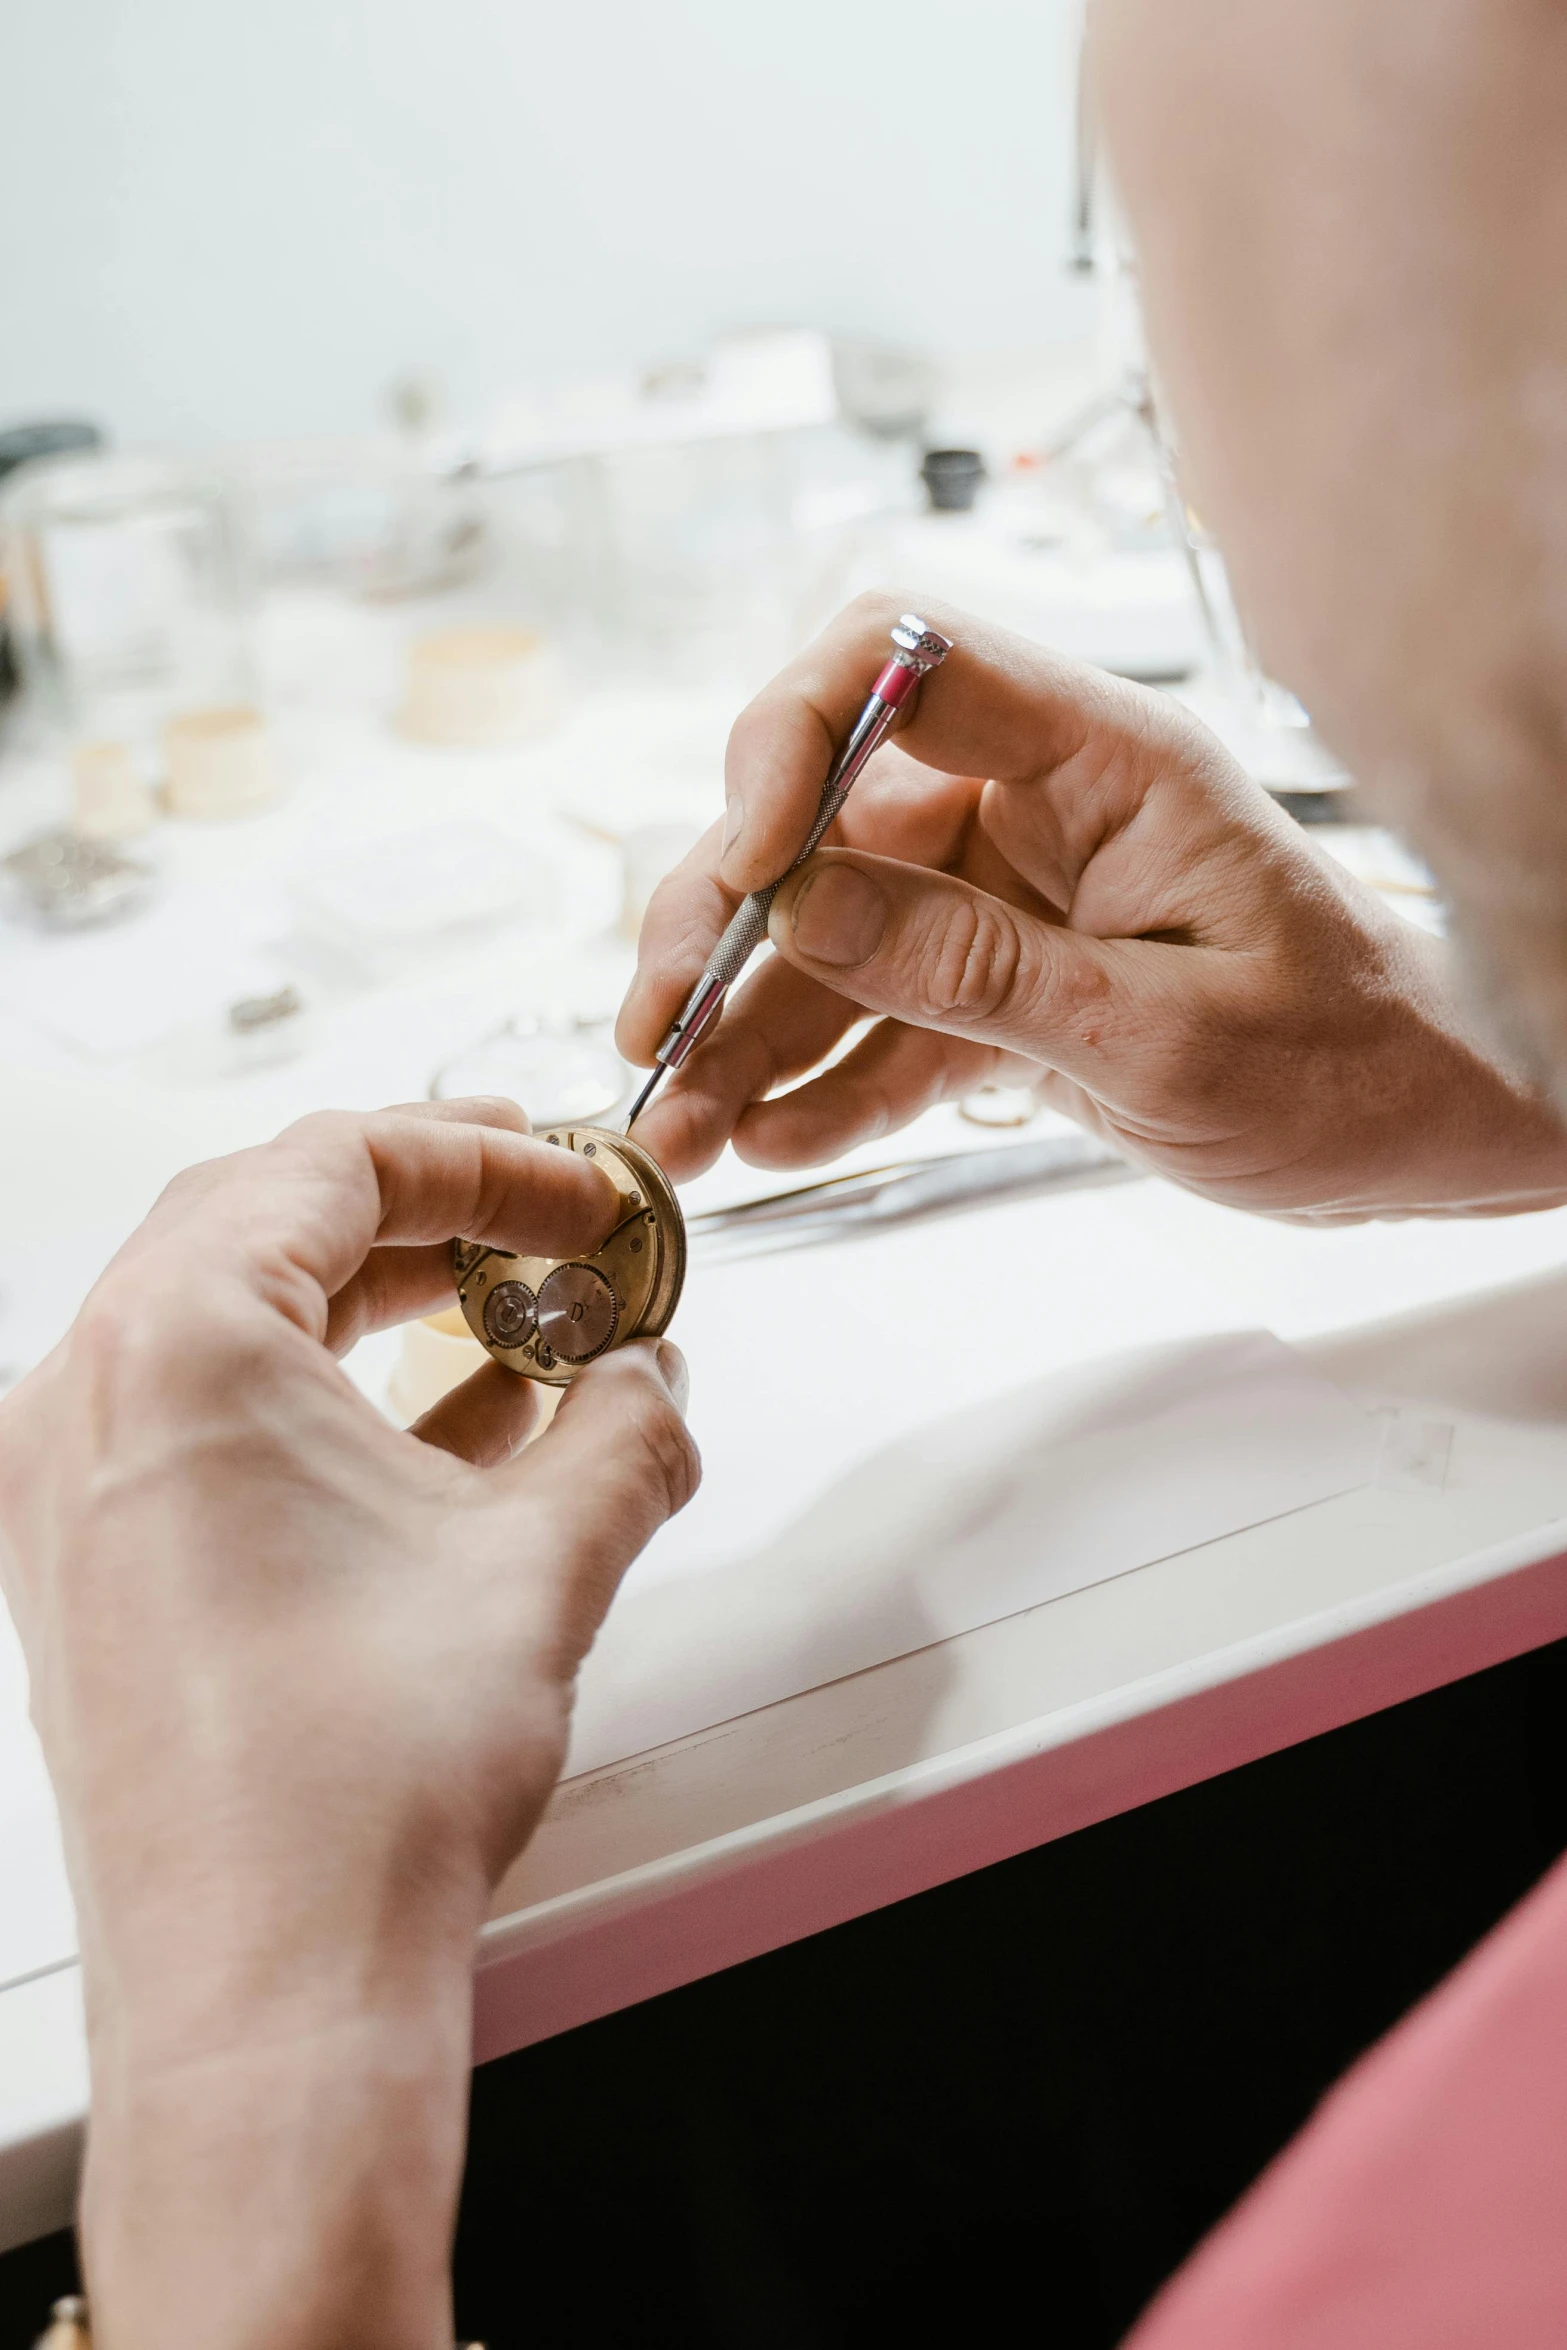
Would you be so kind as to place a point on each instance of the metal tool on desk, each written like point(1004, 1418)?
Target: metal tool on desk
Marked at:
point(917, 650)
point(846, 1207)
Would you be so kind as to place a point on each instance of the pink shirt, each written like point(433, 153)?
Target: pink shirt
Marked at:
point(1424, 2207)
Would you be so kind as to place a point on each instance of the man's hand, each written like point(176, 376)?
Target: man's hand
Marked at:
point(303, 1681)
point(1061, 879)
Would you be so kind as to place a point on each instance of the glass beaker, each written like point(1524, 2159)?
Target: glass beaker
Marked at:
point(128, 591)
point(696, 552)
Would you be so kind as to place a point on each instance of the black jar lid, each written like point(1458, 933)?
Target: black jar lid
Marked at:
point(49, 436)
point(952, 478)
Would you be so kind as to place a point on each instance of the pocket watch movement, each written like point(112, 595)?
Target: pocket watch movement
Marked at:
point(546, 1317)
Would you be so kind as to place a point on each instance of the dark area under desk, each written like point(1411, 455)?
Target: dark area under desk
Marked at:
point(1031, 2090)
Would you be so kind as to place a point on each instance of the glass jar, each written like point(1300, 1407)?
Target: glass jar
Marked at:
point(128, 591)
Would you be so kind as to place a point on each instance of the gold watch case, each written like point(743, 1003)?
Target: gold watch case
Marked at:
point(549, 1317)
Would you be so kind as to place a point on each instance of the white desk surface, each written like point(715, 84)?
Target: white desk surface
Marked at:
point(652, 1872)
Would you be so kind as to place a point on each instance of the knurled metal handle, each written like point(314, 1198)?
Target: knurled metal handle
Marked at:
point(745, 932)
point(918, 650)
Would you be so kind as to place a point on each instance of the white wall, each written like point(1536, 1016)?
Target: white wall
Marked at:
point(220, 219)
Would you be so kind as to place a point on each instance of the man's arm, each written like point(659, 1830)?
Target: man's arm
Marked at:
point(1349, 223)
point(303, 1681)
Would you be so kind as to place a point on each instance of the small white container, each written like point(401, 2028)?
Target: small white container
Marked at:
point(111, 798)
point(480, 686)
point(220, 763)
point(437, 1355)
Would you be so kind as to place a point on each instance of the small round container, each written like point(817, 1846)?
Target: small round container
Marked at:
point(558, 1075)
point(111, 799)
point(480, 686)
point(220, 763)
point(952, 478)
point(999, 1105)
point(438, 1353)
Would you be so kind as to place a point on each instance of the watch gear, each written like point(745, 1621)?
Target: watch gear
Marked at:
point(547, 1317)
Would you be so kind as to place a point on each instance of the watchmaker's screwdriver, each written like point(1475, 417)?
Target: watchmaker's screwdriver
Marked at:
point(917, 649)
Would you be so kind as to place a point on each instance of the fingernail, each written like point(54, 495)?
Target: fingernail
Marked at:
point(839, 916)
point(672, 1370)
point(734, 818)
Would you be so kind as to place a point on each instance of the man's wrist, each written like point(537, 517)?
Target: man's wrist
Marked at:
point(289, 2164)
point(298, 2194)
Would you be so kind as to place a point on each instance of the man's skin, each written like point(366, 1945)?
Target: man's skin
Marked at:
point(1062, 879)
point(231, 1579)
point(1350, 222)
point(303, 1682)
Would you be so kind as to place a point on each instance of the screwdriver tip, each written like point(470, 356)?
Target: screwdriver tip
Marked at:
point(645, 1096)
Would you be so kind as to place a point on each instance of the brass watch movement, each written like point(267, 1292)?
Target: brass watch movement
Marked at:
point(548, 1317)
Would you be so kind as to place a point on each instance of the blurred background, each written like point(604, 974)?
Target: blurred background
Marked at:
point(421, 429)
point(224, 225)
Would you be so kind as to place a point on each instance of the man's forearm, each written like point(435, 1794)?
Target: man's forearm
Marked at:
point(284, 2194)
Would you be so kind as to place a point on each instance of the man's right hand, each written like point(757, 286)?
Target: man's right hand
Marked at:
point(1061, 879)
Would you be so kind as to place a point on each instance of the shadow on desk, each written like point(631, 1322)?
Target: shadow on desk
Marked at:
point(1498, 1353)
point(1009, 2106)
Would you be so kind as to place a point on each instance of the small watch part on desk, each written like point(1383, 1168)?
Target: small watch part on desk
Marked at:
point(67, 2328)
point(68, 883)
point(548, 1317)
point(254, 1015)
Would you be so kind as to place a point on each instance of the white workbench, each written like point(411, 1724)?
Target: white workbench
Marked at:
point(652, 1872)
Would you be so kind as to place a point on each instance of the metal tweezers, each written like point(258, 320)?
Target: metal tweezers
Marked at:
point(845, 1206)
